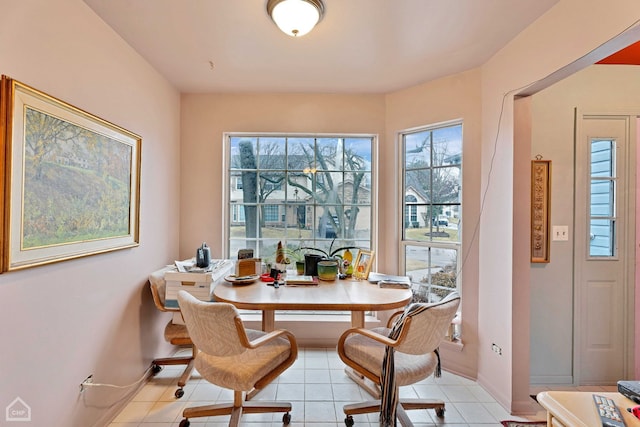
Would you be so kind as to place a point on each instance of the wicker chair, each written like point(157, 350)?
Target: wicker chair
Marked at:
point(175, 334)
point(414, 354)
point(243, 360)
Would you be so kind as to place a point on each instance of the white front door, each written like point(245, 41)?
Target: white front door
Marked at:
point(604, 247)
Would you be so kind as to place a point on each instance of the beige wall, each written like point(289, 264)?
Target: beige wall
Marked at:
point(93, 315)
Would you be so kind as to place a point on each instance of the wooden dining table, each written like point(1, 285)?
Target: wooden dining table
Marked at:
point(356, 296)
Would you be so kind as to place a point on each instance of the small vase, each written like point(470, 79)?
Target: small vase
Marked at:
point(328, 270)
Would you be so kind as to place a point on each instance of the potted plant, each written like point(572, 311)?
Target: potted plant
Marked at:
point(344, 260)
point(288, 256)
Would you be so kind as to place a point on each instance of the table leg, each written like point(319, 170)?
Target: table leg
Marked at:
point(268, 320)
point(357, 319)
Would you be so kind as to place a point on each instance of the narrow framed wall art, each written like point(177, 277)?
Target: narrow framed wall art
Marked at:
point(540, 209)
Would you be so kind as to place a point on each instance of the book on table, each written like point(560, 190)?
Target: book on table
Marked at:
point(295, 280)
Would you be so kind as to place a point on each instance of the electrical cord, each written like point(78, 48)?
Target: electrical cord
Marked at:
point(89, 382)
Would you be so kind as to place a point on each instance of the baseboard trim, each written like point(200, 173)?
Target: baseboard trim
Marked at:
point(541, 380)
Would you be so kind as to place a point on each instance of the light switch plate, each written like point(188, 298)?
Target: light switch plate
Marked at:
point(560, 233)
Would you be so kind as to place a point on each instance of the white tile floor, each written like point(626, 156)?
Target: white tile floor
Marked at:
point(317, 387)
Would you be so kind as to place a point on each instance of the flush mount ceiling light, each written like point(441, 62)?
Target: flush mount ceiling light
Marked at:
point(295, 17)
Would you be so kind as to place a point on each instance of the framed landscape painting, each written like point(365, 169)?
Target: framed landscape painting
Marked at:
point(72, 180)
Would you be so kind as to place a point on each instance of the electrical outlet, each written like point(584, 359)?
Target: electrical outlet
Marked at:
point(496, 349)
point(88, 380)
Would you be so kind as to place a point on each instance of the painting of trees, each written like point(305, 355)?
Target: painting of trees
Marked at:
point(76, 183)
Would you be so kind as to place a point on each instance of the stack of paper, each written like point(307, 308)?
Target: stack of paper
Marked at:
point(389, 281)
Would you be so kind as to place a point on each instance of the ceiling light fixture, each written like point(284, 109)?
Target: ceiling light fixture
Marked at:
point(295, 17)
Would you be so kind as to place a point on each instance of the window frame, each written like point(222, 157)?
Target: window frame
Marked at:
point(404, 242)
point(227, 177)
point(612, 179)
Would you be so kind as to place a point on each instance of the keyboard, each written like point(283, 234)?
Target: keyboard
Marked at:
point(630, 389)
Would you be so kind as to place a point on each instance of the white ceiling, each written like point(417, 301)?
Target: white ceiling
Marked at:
point(360, 46)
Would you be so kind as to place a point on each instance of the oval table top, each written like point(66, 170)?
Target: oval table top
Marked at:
point(348, 295)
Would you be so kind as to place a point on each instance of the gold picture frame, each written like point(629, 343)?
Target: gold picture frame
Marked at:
point(363, 263)
point(71, 180)
point(540, 209)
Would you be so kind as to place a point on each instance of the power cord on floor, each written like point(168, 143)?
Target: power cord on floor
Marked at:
point(89, 381)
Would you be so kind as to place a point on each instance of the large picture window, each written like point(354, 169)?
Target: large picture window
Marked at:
point(431, 165)
point(303, 191)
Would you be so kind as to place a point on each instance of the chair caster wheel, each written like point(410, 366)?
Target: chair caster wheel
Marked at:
point(349, 421)
point(440, 412)
point(184, 423)
point(155, 369)
point(286, 419)
point(179, 393)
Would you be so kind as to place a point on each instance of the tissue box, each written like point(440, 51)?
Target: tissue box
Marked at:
point(248, 267)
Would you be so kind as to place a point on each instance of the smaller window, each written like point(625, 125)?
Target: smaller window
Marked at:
point(272, 186)
point(602, 198)
point(271, 213)
point(238, 214)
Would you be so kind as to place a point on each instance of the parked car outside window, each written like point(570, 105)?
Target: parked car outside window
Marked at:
point(330, 231)
point(441, 220)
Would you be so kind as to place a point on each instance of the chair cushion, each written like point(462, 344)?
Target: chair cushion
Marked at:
point(241, 372)
point(369, 354)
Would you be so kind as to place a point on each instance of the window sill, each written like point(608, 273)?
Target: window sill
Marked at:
point(455, 345)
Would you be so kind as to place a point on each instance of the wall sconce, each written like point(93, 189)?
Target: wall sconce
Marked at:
point(295, 17)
